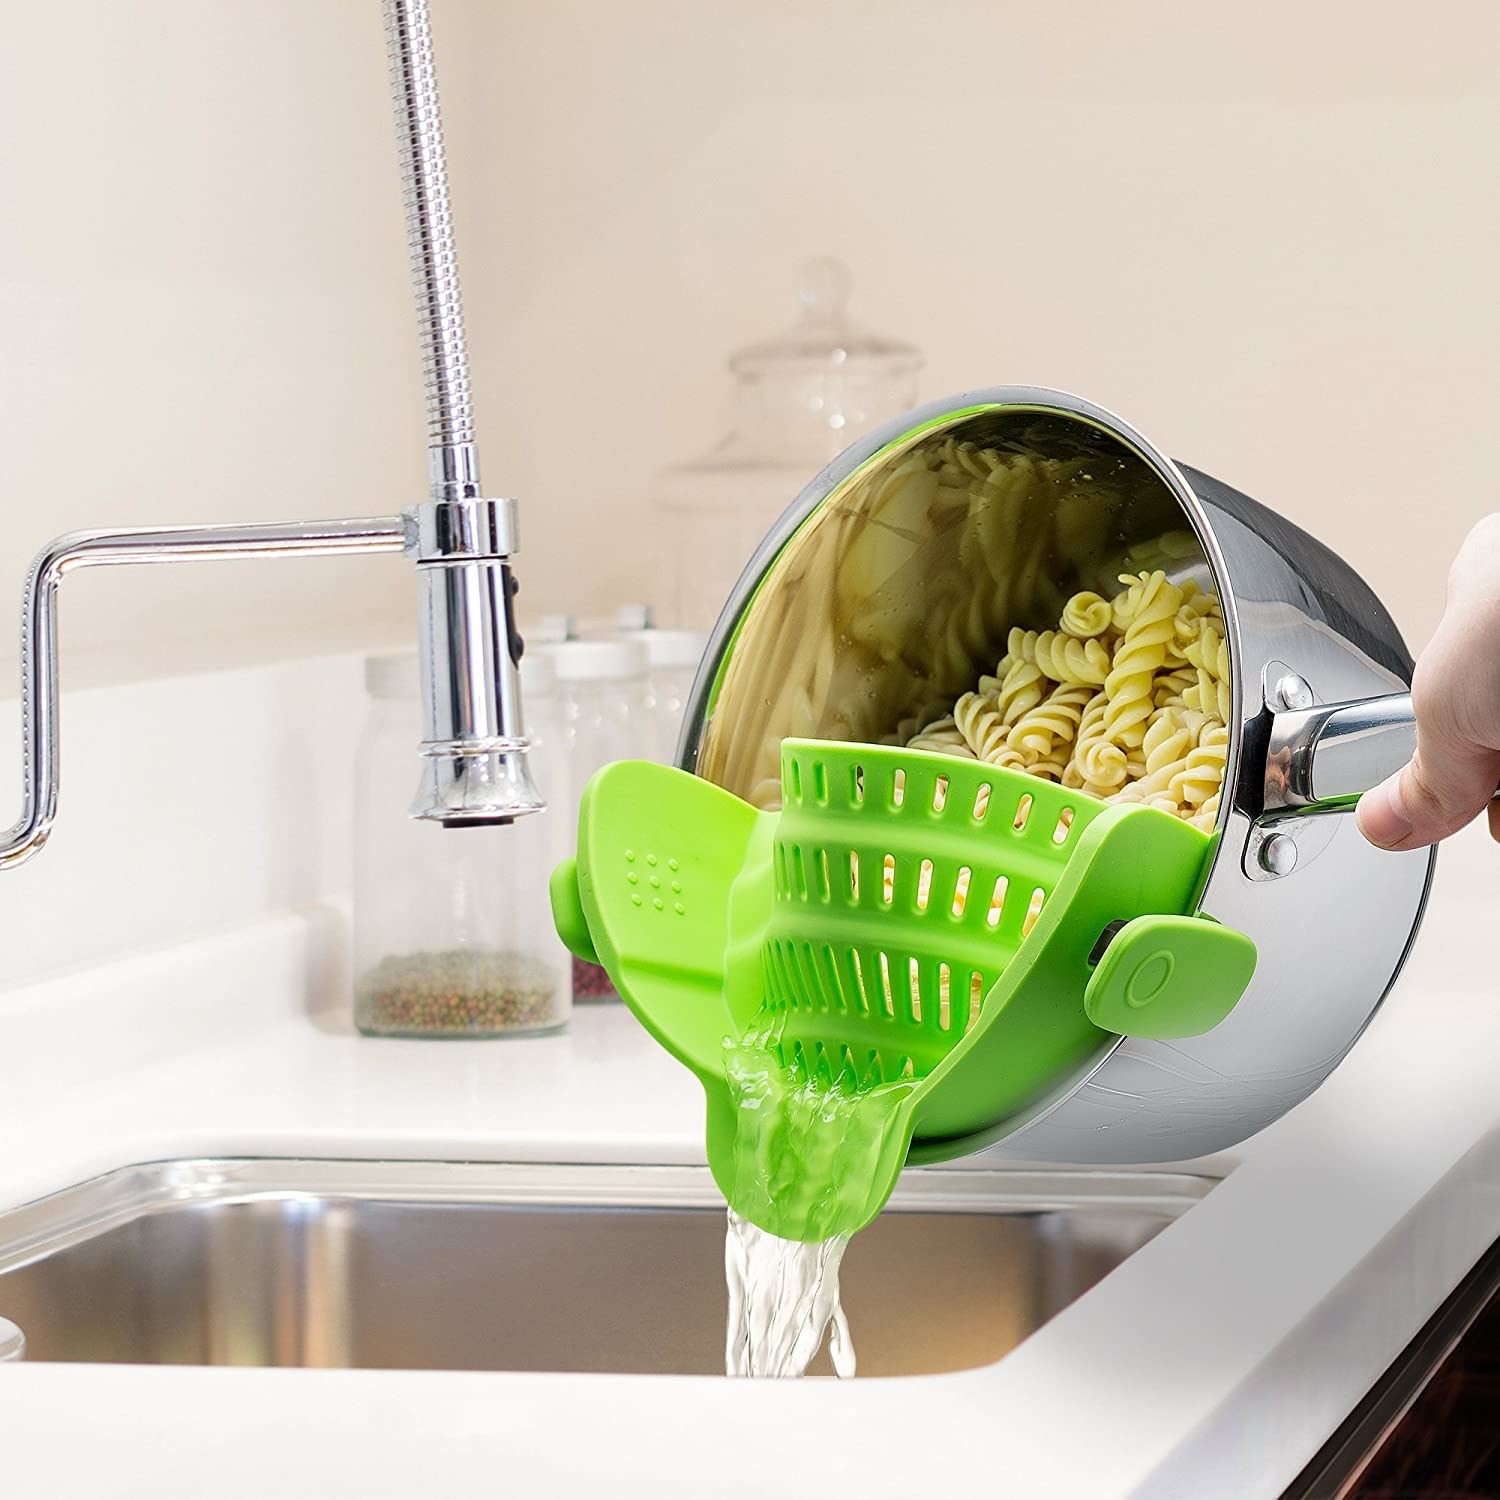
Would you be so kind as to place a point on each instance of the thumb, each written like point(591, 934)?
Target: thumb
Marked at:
point(1446, 785)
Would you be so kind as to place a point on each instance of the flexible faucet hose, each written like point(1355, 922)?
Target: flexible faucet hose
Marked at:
point(434, 264)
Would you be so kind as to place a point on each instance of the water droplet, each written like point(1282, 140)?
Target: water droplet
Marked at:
point(633, 878)
point(680, 909)
point(657, 902)
point(671, 864)
point(636, 897)
point(676, 885)
point(630, 854)
point(650, 859)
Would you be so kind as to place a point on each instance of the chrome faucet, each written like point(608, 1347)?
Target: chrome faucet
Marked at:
point(473, 746)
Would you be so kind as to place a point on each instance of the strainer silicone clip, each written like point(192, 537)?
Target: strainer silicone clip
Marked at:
point(967, 935)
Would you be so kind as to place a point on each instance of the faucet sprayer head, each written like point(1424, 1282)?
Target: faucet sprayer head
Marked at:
point(473, 746)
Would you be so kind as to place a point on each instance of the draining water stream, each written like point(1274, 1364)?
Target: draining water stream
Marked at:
point(783, 1297)
point(805, 1149)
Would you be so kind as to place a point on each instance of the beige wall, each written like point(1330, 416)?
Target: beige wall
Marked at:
point(1264, 235)
point(202, 286)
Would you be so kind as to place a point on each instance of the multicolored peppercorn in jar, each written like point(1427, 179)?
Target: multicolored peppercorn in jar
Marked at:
point(460, 994)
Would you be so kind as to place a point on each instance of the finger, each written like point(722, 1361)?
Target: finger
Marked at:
point(1445, 786)
point(1381, 817)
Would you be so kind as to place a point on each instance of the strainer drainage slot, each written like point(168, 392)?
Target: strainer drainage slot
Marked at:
point(997, 901)
point(1038, 896)
point(805, 970)
point(1023, 811)
point(940, 794)
point(831, 984)
point(898, 788)
point(981, 802)
point(859, 981)
point(924, 884)
point(961, 890)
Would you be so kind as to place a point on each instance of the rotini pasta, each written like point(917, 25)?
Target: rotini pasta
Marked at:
point(978, 719)
point(1087, 615)
point(1051, 724)
point(1201, 773)
point(1062, 657)
point(942, 734)
point(1148, 611)
point(1021, 689)
point(1132, 705)
point(1170, 688)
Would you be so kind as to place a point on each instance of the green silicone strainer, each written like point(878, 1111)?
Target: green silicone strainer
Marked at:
point(962, 936)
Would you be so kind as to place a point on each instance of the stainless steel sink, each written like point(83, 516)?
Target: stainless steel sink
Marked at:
point(461, 1266)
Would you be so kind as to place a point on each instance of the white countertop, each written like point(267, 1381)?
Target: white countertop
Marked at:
point(1212, 1363)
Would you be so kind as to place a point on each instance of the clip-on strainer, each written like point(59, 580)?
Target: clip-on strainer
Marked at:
point(961, 933)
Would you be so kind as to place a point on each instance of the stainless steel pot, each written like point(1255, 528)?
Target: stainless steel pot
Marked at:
point(869, 606)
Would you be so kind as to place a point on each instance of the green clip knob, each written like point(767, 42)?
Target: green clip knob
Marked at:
point(1169, 976)
point(568, 913)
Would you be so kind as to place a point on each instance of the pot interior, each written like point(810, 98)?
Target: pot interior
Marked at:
point(898, 590)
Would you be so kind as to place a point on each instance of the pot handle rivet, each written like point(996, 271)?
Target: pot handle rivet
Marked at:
point(1278, 854)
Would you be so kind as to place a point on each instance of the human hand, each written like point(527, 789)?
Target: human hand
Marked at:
point(1456, 698)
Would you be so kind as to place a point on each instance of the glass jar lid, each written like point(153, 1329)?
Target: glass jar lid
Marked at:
point(598, 661)
point(823, 337)
point(671, 648)
point(799, 399)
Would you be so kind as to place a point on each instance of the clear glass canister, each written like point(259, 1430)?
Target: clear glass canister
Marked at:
point(799, 400)
point(453, 933)
point(601, 689)
point(672, 658)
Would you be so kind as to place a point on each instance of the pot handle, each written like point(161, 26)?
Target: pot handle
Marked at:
point(1321, 759)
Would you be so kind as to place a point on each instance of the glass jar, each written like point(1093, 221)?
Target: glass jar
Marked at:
point(453, 933)
point(799, 400)
point(672, 658)
point(601, 688)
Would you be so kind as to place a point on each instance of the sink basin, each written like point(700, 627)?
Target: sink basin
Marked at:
point(462, 1266)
